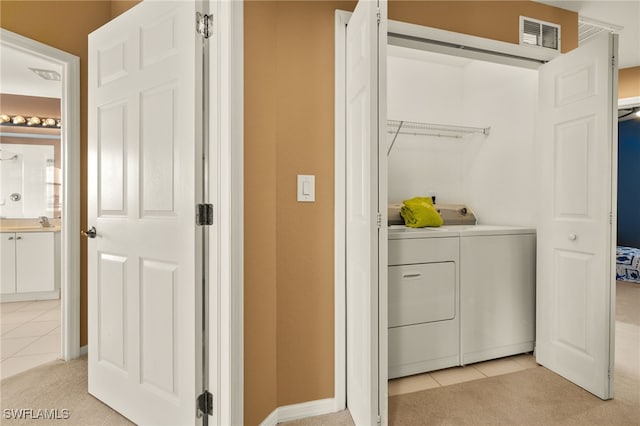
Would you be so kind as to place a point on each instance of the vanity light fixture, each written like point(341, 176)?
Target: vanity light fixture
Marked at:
point(33, 121)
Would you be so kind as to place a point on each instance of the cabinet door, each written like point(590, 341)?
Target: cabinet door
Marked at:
point(8, 263)
point(34, 262)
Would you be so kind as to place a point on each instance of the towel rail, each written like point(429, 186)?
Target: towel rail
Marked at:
point(414, 128)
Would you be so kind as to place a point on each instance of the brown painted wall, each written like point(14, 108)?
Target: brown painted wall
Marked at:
point(629, 82)
point(289, 107)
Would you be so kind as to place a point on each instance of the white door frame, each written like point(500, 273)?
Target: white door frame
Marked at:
point(448, 43)
point(226, 365)
point(70, 136)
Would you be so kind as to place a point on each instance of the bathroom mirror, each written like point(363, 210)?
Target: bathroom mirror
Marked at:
point(30, 179)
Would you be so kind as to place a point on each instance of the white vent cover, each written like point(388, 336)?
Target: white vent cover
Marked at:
point(539, 33)
point(589, 28)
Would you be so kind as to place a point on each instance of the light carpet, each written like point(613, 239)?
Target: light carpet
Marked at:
point(55, 387)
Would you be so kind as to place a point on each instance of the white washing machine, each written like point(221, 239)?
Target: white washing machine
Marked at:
point(460, 293)
point(497, 291)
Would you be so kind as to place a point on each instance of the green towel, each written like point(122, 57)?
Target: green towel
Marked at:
point(419, 212)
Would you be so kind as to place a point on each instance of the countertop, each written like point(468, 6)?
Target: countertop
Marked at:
point(38, 228)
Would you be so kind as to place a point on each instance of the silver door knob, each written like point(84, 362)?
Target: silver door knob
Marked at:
point(573, 237)
point(91, 233)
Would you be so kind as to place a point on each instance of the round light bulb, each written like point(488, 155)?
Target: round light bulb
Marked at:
point(18, 119)
point(34, 121)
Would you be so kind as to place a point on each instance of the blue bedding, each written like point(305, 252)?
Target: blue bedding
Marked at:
point(628, 264)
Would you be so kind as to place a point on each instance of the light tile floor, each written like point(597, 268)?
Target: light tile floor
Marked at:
point(30, 335)
point(455, 375)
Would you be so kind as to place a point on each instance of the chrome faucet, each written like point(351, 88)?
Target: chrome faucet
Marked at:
point(44, 221)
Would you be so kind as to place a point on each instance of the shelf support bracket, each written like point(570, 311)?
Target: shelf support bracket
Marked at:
point(395, 137)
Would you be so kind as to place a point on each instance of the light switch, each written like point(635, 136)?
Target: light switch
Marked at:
point(306, 188)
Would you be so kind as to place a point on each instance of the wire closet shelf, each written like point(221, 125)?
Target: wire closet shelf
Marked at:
point(414, 128)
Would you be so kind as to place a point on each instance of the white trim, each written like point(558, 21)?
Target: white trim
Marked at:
point(628, 102)
point(299, 411)
point(340, 332)
point(230, 322)
point(475, 47)
point(70, 232)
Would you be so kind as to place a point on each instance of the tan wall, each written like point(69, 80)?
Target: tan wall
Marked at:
point(289, 107)
point(629, 82)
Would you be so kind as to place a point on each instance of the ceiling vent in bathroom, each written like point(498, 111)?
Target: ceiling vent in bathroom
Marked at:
point(534, 32)
point(47, 74)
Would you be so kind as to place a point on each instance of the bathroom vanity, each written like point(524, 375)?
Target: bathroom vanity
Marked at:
point(30, 263)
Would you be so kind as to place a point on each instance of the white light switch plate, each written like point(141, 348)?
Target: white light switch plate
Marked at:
point(306, 188)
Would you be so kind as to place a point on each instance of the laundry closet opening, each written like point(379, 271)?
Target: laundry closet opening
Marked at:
point(464, 292)
point(519, 156)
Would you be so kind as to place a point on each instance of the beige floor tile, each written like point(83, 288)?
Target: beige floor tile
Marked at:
point(455, 375)
point(19, 317)
point(12, 366)
point(496, 367)
point(54, 331)
point(51, 315)
point(13, 306)
point(11, 346)
point(32, 329)
point(43, 345)
point(411, 384)
point(527, 360)
point(41, 305)
point(8, 327)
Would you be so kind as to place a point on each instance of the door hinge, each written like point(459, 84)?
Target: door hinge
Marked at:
point(204, 24)
point(204, 214)
point(611, 218)
point(379, 220)
point(613, 61)
point(379, 421)
point(378, 16)
point(205, 403)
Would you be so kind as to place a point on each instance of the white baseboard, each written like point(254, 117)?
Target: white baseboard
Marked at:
point(84, 350)
point(299, 411)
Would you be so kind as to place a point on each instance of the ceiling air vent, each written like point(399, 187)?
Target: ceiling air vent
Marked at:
point(539, 33)
point(589, 28)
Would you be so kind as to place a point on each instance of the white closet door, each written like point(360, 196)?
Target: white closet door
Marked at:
point(365, 112)
point(144, 173)
point(576, 240)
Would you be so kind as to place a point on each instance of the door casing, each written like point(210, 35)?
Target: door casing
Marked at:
point(70, 232)
point(449, 43)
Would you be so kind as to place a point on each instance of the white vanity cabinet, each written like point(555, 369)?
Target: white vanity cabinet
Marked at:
point(29, 265)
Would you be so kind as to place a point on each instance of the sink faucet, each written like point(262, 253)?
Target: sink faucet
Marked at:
point(44, 221)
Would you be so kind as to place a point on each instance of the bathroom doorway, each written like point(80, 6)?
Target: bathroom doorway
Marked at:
point(39, 203)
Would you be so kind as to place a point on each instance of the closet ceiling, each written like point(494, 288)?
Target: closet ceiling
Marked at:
point(623, 13)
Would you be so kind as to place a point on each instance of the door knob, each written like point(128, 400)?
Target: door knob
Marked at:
point(91, 233)
point(573, 237)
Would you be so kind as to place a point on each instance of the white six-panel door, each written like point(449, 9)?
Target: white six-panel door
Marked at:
point(575, 284)
point(365, 244)
point(144, 171)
